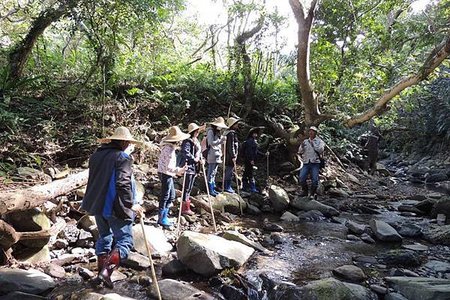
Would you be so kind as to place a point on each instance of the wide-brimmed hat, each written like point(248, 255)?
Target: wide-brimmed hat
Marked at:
point(231, 121)
point(314, 128)
point(193, 127)
point(219, 122)
point(120, 134)
point(255, 129)
point(175, 135)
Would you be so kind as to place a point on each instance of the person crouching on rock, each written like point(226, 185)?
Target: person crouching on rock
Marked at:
point(191, 157)
point(214, 140)
point(231, 152)
point(167, 170)
point(310, 150)
point(250, 149)
point(111, 198)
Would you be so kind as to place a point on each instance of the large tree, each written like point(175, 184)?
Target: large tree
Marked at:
point(305, 12)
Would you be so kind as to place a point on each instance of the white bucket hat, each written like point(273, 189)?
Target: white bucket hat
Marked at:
point(314, 128)
point(219, 122)
point(231, 121)
point(175, 135)
point(193, 127)
point(121, 134)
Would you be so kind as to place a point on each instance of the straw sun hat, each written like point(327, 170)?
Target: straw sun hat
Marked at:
point(231, 121)
point(121, 134)
point(193, 127)
point(175, 135)
point(219, 122)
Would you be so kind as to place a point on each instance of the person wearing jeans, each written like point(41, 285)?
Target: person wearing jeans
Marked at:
point(111, 198)
point(167, 170)
point(310, 150)
point(231, 150)
point(214, 144)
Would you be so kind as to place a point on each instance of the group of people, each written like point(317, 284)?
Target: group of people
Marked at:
point(111, 190)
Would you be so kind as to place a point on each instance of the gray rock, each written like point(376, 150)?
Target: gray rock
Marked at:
point(438, 235)
point(35, 255)
point(175, 290)
point(441, 207)
point(88, 224)
point(436, 178)
point(303, 204)
point(394, 296)
point(384, 232)
point(55, 271)
point(289, 217)
point(380, 290)
point(337, 193)
point(231, 203)
point(438, 266)
point(426, 206)
point(355, 228)
point(85, 239)
point(277, 238)
point(21, 296)
point(416, 247)
point(401, 257)
point(329, 288)
point(352, 237)
point(271, 227)
point(278, 198)
point(350, 273)
point(26, 281)
point(365, 237)
point(410, 230)
point(237, 237)
point(155, 237)
point(209, 254)
point(136, 261)
point(312, 215)
point(174, 268)
point(253, 210)
point(365, 259)
point(421, 288)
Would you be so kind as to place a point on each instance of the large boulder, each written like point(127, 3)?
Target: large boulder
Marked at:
point(30, 220)
point(384, 232)
point(174, 290)
point(231, 203)
point(441, 207)
point(279, 198)
point(238, 237)
point(26, 281)
point(155, 237)
point(303, 203)
point(208, 254)
point(355, 228)
point(421, 287)
point(350, 273)
point(438, 235)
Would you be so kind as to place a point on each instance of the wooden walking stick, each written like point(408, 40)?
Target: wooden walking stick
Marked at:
point(181, 203)
point(155, 280)
point(209, 197)
point(237, 185)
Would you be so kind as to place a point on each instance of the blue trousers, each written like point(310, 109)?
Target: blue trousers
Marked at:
point(212, 171)
point(188, 185)
point(167, 191)
point(112, 229)
point(229, 173)
point(310, 168)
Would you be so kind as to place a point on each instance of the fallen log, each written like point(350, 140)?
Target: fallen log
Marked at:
point(36, 195)
point(10, 236)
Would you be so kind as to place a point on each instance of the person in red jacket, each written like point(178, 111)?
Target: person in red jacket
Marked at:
point(111, 198)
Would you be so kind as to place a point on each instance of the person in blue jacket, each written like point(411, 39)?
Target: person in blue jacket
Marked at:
point(111, 198)
point(250, 149)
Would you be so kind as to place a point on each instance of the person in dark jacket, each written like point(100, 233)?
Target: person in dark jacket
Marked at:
point(111, 198)
point(251, 152)
point(231, 152)
point(371, 146)
point(191, 157)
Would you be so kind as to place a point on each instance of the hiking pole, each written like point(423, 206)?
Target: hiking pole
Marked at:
point(237, 186)
point(223, 165)
point(181, 202)
point(155, 280)
point(209, 197)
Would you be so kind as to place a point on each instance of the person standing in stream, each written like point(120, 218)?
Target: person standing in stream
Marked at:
point(214, 139)
point(231, 151)
point(111, 198)
point(190, 153)
point(310, 151)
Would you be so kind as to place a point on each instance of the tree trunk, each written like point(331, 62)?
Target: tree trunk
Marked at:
point(19, 56)
point(37, 195)
point(247, 64)
point(305, 16)
point(436, 57)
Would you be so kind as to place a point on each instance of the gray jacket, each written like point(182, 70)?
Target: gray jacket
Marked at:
point(215, 142)
point(308, 148)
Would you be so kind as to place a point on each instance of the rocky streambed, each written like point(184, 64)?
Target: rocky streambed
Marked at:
point(364, 238)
